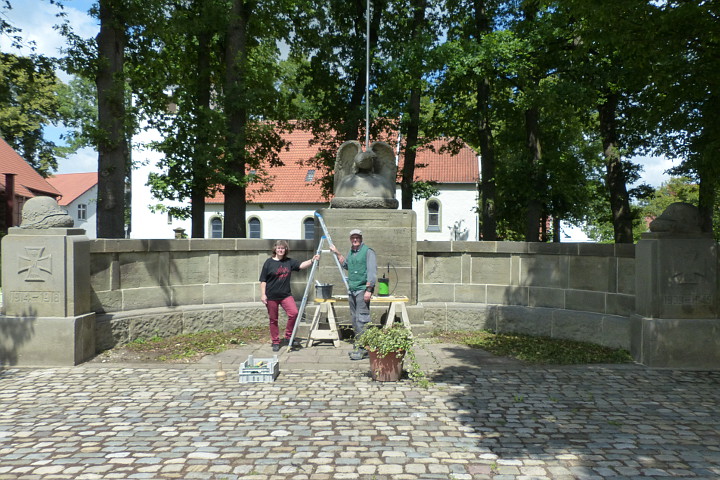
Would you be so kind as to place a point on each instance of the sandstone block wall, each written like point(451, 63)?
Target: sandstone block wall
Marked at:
point(128, 275)
point(569, 276)
point(142, 288)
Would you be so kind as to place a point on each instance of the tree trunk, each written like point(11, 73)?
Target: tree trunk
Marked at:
point(705, 204)
point(30, 152)
point(556, 230)
point(533, 224)
point(199, 162)
point(707, 195)
point(411, 141)
point(237, 118)
point(708, 166)
point(112, 145)
point(487, 188)
point(616, 181)
point(413, 127)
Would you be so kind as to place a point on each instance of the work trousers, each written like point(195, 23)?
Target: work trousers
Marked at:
point(288, 304)
point(359, 311)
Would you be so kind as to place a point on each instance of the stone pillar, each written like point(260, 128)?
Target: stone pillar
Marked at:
point(46, 297)
point(391, 233)
point(676, 322)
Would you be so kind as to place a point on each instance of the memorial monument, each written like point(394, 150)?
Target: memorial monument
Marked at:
point(676, 322)
point(364, 198)
point(46, 289)
point(365, 179)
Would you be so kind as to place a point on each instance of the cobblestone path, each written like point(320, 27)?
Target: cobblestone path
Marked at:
point(621, 422)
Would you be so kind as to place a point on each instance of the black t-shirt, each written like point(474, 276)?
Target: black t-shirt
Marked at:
point(276, 275)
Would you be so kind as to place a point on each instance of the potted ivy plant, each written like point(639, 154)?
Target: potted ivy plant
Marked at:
point(387, 348)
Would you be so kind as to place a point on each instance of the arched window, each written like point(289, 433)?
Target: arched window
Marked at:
point(254, 228)
point(309, 228)
point(432, 208)
point(216, 227)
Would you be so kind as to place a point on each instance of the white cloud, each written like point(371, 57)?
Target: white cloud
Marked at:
point(654, 169)
point(37, 18)
point(84, 160)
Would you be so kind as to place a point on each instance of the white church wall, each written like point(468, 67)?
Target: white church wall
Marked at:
point(277, 221)
point(457, 204)
point(285, 221)
point(143, 222)
point(89, 223)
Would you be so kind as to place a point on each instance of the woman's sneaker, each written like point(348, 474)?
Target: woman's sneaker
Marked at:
point(276, 347)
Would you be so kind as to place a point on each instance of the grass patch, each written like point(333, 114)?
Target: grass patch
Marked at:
point(195, 345)
point(537, 350)
point(534, 350)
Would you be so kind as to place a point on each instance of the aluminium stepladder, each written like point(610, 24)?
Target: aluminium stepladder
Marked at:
point(311, 277)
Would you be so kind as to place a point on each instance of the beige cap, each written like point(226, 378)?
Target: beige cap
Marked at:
point(356, 232)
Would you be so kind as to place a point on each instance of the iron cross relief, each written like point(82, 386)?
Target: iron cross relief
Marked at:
point(34, 263)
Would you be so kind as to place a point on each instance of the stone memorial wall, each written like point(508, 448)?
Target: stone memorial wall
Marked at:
point(657, 299)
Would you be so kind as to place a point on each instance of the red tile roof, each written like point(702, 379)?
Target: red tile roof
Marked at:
point(433, 163)
point(72, 185)
point(28, 183)
point(289, 183)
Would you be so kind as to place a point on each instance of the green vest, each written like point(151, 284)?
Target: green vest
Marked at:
point(357, 268)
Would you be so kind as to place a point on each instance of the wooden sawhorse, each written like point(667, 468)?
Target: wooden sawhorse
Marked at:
point(327, 307)
point(394, 302)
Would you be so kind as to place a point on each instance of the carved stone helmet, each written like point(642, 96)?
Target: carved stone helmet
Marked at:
point(678, 217)
point(44, 212)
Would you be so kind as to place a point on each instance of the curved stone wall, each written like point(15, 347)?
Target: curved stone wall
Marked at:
point(143, 288)
point(128, 275)
point(597, 278)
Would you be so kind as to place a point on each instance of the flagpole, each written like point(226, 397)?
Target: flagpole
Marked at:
point(367, 77)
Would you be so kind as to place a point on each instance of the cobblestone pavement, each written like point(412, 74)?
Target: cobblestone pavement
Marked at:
point(477, 421)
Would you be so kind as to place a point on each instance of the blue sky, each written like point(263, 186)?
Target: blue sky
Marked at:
point(37, 17)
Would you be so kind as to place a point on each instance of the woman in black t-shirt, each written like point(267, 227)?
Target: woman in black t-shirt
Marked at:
point(275, 289)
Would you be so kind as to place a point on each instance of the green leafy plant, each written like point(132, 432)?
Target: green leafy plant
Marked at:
point(384, 341)
point(397, 340)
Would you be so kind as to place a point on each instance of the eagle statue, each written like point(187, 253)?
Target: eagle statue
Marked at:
point(365, 179)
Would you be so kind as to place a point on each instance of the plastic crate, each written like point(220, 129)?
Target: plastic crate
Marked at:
point(259, 370)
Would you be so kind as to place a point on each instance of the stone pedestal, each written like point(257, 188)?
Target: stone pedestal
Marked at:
point(676, 323)
point(391, 233)
point(46, 297)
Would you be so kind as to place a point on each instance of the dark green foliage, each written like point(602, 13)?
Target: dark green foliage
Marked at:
point(555, 96)
point(30, 102)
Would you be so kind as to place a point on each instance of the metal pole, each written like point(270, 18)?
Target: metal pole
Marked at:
point(367, 78)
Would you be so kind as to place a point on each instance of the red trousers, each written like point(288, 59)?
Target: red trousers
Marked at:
point(288, 304)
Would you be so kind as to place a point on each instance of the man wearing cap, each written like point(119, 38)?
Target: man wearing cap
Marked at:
point(361, 264)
